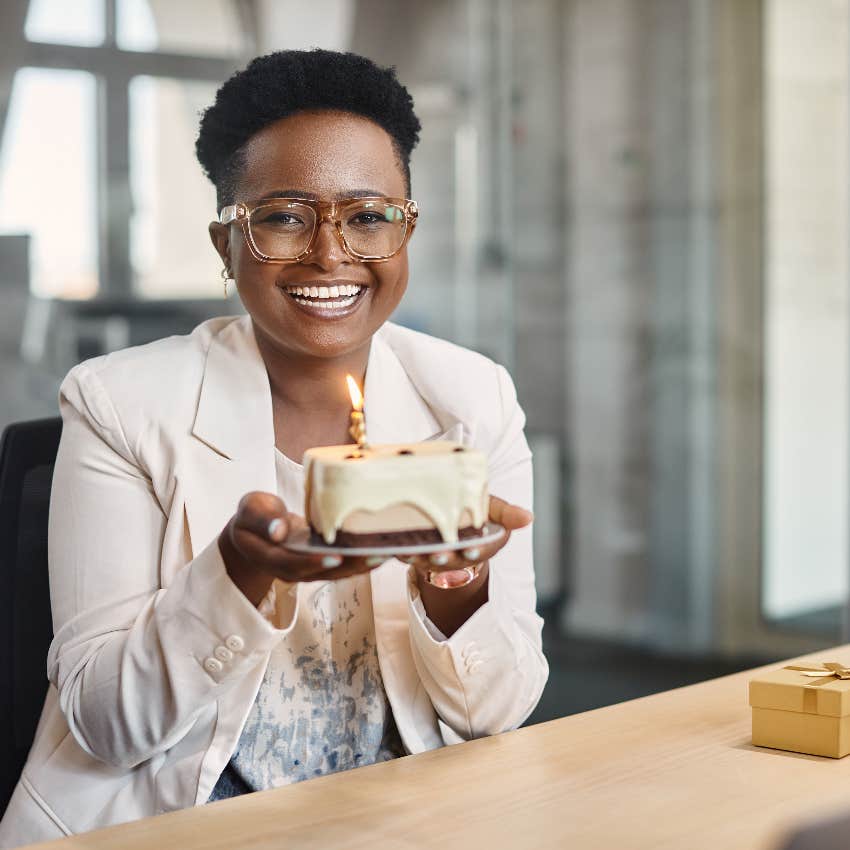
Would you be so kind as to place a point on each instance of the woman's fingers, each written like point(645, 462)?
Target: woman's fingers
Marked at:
point(347, 568)
point(510, 516)
point(458, 559)
point(262, 523)
point(270, 557)
point(262, 514)
point(258, 527)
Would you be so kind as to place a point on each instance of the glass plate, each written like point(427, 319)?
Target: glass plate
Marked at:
point(300, 542)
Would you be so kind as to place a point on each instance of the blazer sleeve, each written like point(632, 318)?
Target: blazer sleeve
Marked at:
point(134, 663)
point(489, 675)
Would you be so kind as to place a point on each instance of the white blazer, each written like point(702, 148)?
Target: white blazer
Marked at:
point(159, 443)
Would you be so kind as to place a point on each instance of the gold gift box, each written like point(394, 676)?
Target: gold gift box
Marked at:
point(804, 709)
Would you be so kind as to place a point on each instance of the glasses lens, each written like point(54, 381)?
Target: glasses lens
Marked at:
point(373, 228)
point(282, 230)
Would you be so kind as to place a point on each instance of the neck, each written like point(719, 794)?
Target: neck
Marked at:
point(312, 385)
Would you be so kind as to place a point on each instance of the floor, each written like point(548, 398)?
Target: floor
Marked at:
point(587, 674)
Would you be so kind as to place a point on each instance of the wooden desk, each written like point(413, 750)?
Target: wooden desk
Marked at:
point(674, 771)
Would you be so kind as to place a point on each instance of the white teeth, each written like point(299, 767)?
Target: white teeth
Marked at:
point(330, 305)
point(331, 294)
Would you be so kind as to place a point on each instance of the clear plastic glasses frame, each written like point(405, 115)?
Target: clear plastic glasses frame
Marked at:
point(242, 212)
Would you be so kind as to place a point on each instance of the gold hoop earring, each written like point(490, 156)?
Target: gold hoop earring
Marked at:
point(227, 278)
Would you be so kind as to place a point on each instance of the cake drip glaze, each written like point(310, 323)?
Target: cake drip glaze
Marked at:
point(442, 480)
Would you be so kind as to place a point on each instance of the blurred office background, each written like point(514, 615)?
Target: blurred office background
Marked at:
point(640, 207)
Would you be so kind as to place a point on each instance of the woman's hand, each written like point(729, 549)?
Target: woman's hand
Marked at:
point(512, 517)
point(253, 556)
point(455, 599)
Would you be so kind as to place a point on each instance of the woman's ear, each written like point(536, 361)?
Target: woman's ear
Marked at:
point(220, 236)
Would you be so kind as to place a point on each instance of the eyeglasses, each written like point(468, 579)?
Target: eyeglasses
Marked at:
point(282, 230)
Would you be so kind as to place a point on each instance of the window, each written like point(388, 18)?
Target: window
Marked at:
point(97, 159)
point(198, 27)
point(173, 202)
point(61, 22)
point(48, 178)
point(806, 307)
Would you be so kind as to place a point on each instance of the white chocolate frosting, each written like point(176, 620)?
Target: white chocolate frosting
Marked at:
point(380, 489)
point(403, 517)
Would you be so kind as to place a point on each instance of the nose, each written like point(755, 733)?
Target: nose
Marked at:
point(327, 251)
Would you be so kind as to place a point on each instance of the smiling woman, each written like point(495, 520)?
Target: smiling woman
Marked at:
point(195, 657)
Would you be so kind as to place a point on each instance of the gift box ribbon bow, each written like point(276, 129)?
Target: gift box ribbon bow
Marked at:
point(827, 672)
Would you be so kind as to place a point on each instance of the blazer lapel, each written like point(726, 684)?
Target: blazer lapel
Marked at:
point(233, 449)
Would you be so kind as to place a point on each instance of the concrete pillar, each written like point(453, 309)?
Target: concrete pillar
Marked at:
point(607, 341)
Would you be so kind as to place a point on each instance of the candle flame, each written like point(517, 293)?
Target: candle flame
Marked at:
point(354, 392)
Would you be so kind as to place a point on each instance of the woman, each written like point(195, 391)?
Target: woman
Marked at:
point(194, 657)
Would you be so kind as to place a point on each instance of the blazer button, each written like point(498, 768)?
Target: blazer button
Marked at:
point(222, 653)
point(235, 643)
point(213, 665)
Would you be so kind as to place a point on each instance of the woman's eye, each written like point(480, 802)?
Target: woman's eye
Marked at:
point(281, 219)
point(367, 219)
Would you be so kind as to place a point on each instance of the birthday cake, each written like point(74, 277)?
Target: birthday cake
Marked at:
point(394, 495)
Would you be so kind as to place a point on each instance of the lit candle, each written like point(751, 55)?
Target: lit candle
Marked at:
point(358, 421)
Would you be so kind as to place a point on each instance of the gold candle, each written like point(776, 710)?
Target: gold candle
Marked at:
point(357, 429)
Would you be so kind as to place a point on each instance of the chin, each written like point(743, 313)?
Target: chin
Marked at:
point(327, 342)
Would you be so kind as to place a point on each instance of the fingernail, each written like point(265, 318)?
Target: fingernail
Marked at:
point(472, 554)
point(374, 562)
point(439, 559)
point(275, 530)
point(331, 561)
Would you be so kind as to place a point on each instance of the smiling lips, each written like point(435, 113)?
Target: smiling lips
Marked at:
point(325, 298)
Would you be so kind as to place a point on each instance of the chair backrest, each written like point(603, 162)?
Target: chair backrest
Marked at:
point(27, 455)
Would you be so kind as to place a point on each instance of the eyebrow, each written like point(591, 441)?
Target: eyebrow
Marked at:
point(311, 196)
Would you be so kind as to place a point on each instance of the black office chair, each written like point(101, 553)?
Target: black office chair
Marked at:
point(27, 454)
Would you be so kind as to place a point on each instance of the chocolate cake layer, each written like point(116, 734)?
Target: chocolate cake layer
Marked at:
point(412, 537)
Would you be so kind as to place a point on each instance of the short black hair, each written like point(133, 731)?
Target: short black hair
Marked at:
point(279, 84)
